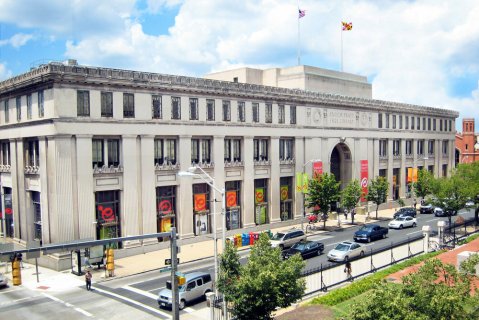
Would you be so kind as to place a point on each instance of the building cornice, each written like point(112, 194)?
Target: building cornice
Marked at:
point(61, 73)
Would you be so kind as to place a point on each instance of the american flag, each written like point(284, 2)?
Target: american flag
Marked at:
point(347, 26)
point(301, 13)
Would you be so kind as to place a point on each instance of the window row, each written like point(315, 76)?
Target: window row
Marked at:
point(420, 148)
point(83, 108)
point(31, 101)
point(393, 121)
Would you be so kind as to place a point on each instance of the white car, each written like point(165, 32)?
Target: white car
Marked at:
point(402, 222)
point(346, 250)
point(470, 204)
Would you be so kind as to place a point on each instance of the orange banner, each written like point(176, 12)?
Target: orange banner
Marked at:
point(200, 202)
point(284, 193)
point(231, 199)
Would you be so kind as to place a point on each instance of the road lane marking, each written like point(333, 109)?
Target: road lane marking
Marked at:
point(69, 305)
point(432, 220)
point(142, 292)
point(413, 232)
point(141, 305)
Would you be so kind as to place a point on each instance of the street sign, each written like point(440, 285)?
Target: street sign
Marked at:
point(168, 261)
point(32, 245)
point(5, 247)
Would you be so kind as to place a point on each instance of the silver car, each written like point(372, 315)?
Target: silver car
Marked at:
point(402, 222)
point(346, 250)
point(197, 284)
point(286, 239)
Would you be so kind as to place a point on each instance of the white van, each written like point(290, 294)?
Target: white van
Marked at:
point(197, 284)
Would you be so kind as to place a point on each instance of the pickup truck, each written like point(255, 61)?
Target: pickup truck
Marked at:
point(370, 232)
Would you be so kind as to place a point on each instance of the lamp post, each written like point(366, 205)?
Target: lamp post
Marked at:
point(304, 197)
point(211, 182)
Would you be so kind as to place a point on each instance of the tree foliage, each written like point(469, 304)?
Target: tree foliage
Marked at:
point(350, 196)
point(423, 186)
point(378, 191)
point(450, 194)
point(229, 270)
point(436, 291)
point(264, 283)
point(322, 191)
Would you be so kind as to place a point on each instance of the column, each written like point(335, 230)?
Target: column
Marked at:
point(44, 199)
point(247, 194)
point(147, 214)
point(374, 172)
point(402, 171)
point(131, 189)
point(85, 196)
point(18, 187)
point(390, 168)
point(184, 197)
point(274, 184)
point(301, 154)
point(219, 176)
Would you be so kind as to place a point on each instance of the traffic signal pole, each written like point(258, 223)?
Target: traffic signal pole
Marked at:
point(174, 278)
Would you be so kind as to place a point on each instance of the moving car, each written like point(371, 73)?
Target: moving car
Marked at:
point(346, 250)
point(287, 239)
point(406, 212)
point(3, 280)
point(197, 284)
point(426, 208)
point(305, 248)
point(440, 212)
point(370, 232)
point(402, 222)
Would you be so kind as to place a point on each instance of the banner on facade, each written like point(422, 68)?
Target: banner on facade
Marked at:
point(231, 199)
point(165, 207)
point(259, 195)
point(284, 193)
point(200, 202)
point(317, 168)
point(414, 174)
point(305, 183)
point(299, 181)
point(364, 179)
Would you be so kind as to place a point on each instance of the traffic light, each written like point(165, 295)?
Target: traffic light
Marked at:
point(110, 264)
point(181, 280)
point(16, 272)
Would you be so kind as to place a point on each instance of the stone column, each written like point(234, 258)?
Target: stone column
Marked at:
point(147, 214)
point(44, 199)
point(18, 187)
point(274, 184)
point(219, 176)
point(131, 188)
point(402, 170)
point(248, 183)
point(390, 168)
point(184, 199)
point(85, 196)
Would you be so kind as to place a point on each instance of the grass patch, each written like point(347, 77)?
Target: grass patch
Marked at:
point(363, 285)
point(469, 239)
point(342, 309)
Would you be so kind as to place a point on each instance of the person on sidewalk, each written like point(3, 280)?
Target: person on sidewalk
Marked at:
point(348, 270)
point(88, 277)
point(415, 203)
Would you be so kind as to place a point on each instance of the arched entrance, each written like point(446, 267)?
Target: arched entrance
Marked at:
point(341, 164)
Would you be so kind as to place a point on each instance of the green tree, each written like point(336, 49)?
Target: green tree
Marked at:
point(378, 191)
point(436, 291)
point(264, 283)
point(469, 172)
point(322, 191)
point(423, 186)
point(350, 197)
point(229, 269)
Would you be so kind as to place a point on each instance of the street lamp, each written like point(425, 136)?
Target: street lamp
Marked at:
point(211, 182)
point(304, 197)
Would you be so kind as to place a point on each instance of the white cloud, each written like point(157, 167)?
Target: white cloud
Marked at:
point(4, 72)
point(18, 40)
point(155, 6)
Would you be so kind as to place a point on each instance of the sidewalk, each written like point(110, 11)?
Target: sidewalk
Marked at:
point(58, 281)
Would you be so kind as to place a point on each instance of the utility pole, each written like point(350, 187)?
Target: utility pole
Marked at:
point(174, 279)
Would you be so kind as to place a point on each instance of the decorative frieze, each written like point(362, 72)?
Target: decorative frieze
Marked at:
point(107, 170)
point(229, 164)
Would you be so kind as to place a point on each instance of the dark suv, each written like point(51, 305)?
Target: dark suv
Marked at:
point(405, 212)
point(426, 208)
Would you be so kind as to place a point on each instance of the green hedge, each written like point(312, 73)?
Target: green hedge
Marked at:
point(358, 287)
point(469, 239)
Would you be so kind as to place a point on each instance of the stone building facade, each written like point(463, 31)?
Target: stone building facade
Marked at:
point(90, 152)
point(467, 143)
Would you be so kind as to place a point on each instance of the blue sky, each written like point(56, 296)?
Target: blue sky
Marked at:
point(422, 52)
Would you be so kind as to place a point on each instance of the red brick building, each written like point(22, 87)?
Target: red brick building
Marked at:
point(467, 143)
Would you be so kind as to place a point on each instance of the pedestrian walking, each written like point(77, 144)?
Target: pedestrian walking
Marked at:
point(88, 277)
point(415, 203)
point(348, 270)
point(345, 214)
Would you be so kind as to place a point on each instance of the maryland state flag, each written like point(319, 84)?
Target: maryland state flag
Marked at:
point(347, 26)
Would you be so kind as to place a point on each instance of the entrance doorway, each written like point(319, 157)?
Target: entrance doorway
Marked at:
point(341, 164)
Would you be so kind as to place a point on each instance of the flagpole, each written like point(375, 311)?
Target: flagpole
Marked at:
point(299, 41)
point(341, 49)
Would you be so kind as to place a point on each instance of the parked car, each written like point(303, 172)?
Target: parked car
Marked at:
point(440, 212)
point(305, 248)
point(346, 250)
point(426, 208)
point(402, 222)
point(3, 280)
point(405, 212)
point(370, 232)
point(287, 239)
point(197, 284)
point(470, 204)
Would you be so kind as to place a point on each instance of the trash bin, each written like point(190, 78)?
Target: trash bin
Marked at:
point(269, 233)
point(245, 239)
point(238, 240)
point(255, 236)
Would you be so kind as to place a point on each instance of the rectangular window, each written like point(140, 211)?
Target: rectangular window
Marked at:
point(281, 115)
point(260, 151)
point(269, 113)
point(420, 147)
point(175, 108)
point(434, 124)
point(445, 147)
point(227, 152)
point(383, 148)
point(430, 147)
point(113, 152)
point(380, 120)
point(255, 107)
point(429, 124)
point(408, 147)
point(444, 170)
point(165, 151)
point(418, 123)
point(450, 125)
point(19, 108)
point(241, 112)
point(32, 154)
point(128, 105)
point(232, 150)
point(83, 103)
point(397, 147)
point(400, 121)
point(107, 104)
point(41, 101)
point(412, 123)
point(170, 151)
point(226, 110)
point(195, 151)
point(205, 151)
point(5, 153)
point(423, 124)
point(156, 107)
point(406, 124)
point(286, 149)
point(440, 124)
point(200, 151)
point(6, 111)
point(29, 106)
point(210, 110)
point(387, 120)
point(394, 121)
point(193, 108)
point(97, 153)
point(159, 155)
point(292, 114)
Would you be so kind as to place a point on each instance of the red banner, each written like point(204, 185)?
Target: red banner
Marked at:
point(231, 199)
point(317, 168)
point(165, 207)
point(200, 202)
point(364, 179)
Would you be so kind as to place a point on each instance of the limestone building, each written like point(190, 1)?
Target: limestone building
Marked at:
point(90, 152)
